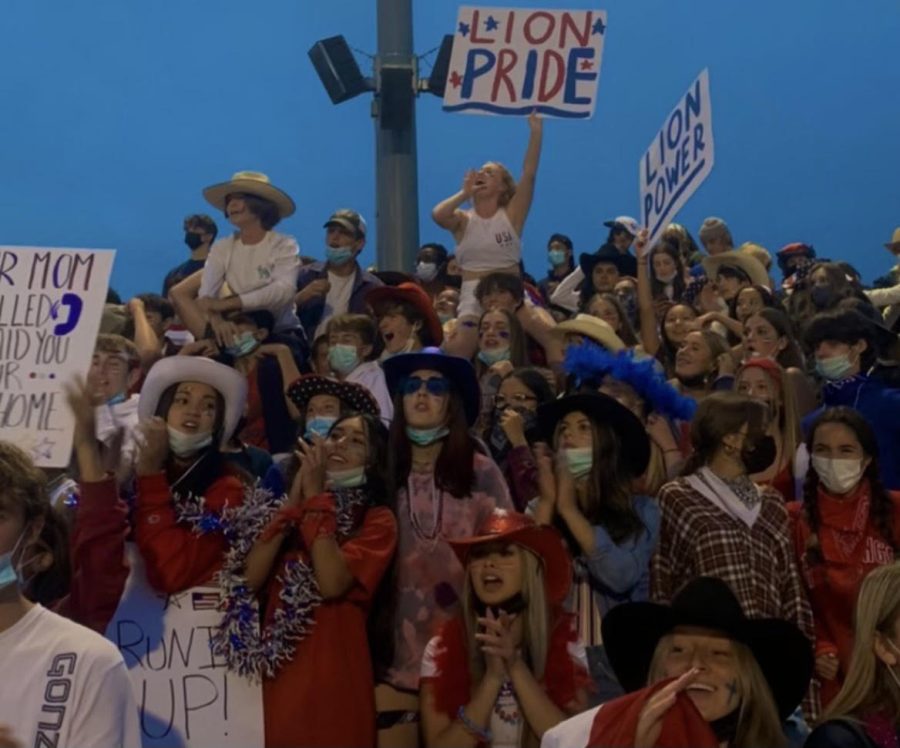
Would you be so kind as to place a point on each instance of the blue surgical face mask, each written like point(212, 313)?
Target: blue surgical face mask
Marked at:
point(9, 574)
point(445, 317)
point(835, 368)
point(338, 255)
point(426, 271)
point(557, 257)
point(343, 358)
point(580, 460)
point(116, 399)
point(424, 437)
point(347, 478)
point(244, 345)
point(184, 445)
point(492, 356)
point(319, 426)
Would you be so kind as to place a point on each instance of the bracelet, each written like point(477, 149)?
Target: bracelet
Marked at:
point(480, 732)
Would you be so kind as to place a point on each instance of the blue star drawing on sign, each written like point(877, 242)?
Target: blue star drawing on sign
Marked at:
point(463, 28)
point(599, 27)
point(491, 23)
point(43, 449)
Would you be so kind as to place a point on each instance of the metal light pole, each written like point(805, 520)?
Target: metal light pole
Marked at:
point(394, 112)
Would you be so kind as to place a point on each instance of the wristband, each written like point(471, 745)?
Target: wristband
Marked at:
point(480, 732)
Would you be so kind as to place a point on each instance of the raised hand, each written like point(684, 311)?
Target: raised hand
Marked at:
point(649, 724)
point(468, 187)
point(153, 448)
point(82, 401)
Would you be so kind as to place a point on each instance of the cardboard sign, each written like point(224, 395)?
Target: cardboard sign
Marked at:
point(51, 301)
point(187, 696)
point(516, 60)
point(680, 157)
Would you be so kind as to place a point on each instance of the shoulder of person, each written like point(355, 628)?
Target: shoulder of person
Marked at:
point(677, 489)
point(839, 733)
point(277, 239)
point(646, 506)
point(367, 277)
point(63, 634)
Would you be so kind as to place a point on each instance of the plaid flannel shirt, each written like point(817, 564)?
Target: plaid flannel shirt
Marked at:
point(699, 539)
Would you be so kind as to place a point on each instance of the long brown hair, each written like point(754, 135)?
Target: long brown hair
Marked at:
point(608, 494)
point(717, 416)
point(454, 470)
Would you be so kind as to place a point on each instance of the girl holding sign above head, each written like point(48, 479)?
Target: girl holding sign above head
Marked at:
point(488, 237)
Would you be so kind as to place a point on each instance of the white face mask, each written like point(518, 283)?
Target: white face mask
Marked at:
point(187, 444)
point(839, 476)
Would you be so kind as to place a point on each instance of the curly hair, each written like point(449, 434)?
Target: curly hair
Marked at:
point(881, 509)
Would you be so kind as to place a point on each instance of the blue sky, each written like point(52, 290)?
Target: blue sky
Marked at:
point(117, 114)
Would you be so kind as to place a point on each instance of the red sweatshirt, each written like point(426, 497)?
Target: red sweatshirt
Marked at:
point(99, 568)
point(176, 557)
point(851, 546)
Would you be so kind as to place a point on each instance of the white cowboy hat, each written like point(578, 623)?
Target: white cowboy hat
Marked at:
point(250, 183)
point(175, 369)
point(594, 328)
point(743, 261)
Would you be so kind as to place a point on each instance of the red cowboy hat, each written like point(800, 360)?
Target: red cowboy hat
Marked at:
point(543, 541)
point(412, 294)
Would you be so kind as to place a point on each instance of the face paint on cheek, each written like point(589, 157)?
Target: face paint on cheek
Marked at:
point(732, 692)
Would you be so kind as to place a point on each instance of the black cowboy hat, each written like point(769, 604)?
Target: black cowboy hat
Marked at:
point(624, 262)
point(354, 396)
point(631, 632)
point(458, 370)
point(602, 409)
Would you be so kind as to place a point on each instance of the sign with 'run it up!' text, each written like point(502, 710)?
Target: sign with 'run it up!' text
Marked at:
point(680, 157)
point(516, 60)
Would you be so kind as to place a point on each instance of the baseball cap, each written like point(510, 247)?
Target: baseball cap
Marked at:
point(349, 219)
point(625, 222)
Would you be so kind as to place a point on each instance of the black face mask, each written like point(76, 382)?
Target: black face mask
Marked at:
point(759, 456)
point(821, 296)
point(193, 239)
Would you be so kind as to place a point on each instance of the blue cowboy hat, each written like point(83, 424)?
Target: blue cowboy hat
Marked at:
point(458, 371)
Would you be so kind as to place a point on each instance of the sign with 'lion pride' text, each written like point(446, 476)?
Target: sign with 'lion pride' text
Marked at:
point(516, 60)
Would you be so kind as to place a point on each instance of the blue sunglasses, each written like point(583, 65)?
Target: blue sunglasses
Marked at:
point(436, 386)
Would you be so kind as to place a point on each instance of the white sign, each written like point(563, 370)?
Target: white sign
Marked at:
point(187, 696)
point(51, 301)
point(516, 60)
point(678, 160)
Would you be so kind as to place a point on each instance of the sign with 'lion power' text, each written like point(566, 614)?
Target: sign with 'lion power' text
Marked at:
point(680, 157)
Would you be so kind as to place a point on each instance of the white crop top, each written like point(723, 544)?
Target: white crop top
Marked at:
point(488, 243)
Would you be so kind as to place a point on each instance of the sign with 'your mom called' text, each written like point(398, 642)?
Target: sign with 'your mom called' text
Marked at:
point(51, 301)
point(515, 60)
point(680, 157)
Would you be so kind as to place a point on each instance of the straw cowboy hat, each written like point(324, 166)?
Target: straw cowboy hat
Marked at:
point(543, 541)
point(250, 183)
point(742, 261)
point(895, 240)
point(592, 327)
point(231, 385)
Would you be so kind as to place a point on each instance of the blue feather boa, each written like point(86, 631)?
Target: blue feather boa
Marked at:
point(589, 362)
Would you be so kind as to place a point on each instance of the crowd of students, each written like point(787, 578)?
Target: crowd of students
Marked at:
point(648, 499)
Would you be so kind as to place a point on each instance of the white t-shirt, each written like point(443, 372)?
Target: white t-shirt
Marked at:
point(337, 301)
point(572, 733)
point(264, 275)
point(371, 376)
point(64, 685)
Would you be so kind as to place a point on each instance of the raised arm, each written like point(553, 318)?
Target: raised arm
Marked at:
point(518, 207)
point(184, 298)
point(447, 213)
point(646, 311)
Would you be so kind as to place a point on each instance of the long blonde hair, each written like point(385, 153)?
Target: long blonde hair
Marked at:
point(868, 686)
point(535, 631)
point(758, 720)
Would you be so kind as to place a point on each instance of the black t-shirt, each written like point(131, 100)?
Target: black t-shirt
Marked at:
point(178, 274)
